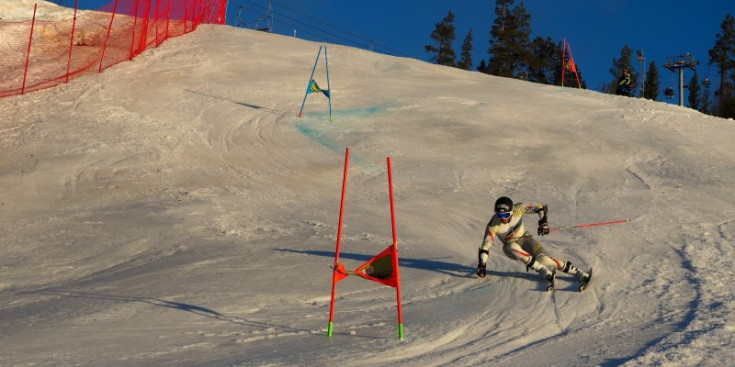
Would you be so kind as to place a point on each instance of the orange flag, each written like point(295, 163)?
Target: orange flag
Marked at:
point(340, 273)
point(380, 268)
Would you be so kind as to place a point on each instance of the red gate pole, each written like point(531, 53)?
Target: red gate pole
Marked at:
point(339, 241)
point(28, 54)
point(563, 62)
point(135, 24)
point(395, 251)
point(102, 57)
point(571, 58)
point(71, 41)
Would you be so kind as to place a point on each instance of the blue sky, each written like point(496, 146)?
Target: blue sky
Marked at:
point(596, 30)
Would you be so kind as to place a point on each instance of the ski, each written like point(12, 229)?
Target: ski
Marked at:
point(584, 285)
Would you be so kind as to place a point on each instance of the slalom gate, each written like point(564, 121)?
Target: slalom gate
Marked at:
point(39, 54)
point(382, 268)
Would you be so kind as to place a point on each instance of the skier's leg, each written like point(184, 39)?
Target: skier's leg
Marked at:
point(532, 246)
point(515, 251)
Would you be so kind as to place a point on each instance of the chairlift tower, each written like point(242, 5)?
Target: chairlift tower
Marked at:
point(642, 60)
point(267, 17)
point(679, 63)
point(240, 20)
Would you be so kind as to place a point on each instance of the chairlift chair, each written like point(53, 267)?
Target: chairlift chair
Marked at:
point(669, 93)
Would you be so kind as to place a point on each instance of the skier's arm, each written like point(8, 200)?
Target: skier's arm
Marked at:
point(539, 209)
point(487, 242)
point(543, 225)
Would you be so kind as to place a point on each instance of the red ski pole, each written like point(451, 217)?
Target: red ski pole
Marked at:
point(589, 225)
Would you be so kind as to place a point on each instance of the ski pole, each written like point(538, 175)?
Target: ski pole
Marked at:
point(589, 225)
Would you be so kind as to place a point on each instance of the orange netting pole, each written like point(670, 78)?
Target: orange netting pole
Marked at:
point(168, 18)
point(194, 15)
point(154, 29)
point(28, 54)
point(147, 22)
point(104, 47)
point(186, 15)
point(135, 23)
point(71, 39)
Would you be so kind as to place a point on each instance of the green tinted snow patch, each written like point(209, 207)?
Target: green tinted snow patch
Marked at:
point(310, 131)
point(362, 111)
point(319, 133)
point(316, 126)
point(348, 113)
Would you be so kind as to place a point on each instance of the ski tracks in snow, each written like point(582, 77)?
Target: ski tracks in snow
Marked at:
point(703, 337)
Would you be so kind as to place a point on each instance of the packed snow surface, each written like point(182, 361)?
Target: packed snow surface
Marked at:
point(22, 10)
point(174, 210)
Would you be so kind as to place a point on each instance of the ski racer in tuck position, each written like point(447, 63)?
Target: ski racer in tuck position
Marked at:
point(519, 244)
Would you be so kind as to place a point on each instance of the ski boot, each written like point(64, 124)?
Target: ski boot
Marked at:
point(546, 274)
point(582, 276)
point(481, 272)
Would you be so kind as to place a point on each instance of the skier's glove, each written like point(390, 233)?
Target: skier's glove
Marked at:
point(481, 270)
point(543, 228)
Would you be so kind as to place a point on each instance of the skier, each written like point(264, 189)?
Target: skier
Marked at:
point(624, 87)
point(518, 244)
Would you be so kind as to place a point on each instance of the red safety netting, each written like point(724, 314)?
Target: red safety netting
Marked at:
point(39, 54)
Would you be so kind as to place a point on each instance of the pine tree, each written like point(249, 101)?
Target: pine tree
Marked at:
point(723, 55)
point(466, 61)
point(509, 40)
point(625, 62)
point(652, 82)
point(482, 67)
point(444, 35)
point(706, 108)
point(544, 64)
point(694, 91)
point(727, 107)
point(606, 88)
point(582, 83)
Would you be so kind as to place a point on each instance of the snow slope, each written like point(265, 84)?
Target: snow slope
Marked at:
point(175, 211)
point(22, 10)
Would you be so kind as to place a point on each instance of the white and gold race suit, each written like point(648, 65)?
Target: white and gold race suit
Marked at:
point(518, 243)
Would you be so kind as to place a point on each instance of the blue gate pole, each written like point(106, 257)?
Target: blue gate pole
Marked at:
point(310, 79)
point(328, 87)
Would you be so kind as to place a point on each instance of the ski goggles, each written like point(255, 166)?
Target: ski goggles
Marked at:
point(504, 215)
